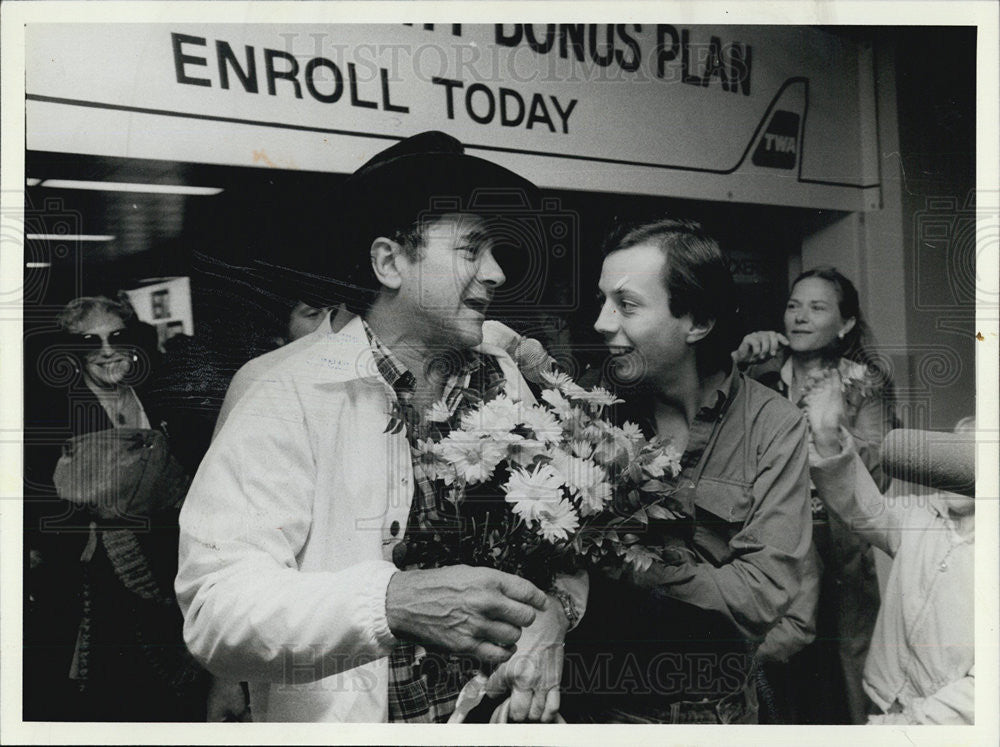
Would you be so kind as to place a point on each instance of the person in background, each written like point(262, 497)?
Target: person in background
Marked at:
point(104, 615)
point(824, 330)
point(674, 643)
point(303, 319)
point(921, 665)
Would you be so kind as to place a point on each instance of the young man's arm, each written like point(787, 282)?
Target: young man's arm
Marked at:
point(757, 585)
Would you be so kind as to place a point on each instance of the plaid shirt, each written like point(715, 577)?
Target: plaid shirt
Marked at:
point(423, 688)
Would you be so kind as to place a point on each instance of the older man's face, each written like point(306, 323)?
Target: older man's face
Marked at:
point(448, 289)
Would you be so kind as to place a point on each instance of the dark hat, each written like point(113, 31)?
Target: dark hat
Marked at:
point(420, 177)
point(428, 172)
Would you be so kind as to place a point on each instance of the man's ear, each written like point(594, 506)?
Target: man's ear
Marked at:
point(384, 255)
point(698, 331)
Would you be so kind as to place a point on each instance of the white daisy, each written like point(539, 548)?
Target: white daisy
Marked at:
point(586, 480)
point(668, 460)
point(598, 396)
point(556, 520)
point(556, 379)
point(543, 423)
point(473, 459)
point(495, 418)
point(530, 490)
point(632, 431)
point(559, 403)
point(427, 454)
point(438, 412)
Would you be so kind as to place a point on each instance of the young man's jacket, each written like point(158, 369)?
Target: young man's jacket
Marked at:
point(288, 531)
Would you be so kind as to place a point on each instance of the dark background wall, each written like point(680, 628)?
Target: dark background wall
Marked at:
point(936, 99)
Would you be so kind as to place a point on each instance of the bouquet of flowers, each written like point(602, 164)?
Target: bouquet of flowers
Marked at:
point(535, 489)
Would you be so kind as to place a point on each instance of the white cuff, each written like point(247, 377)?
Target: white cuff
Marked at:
point(847, 451)
point(375, 594)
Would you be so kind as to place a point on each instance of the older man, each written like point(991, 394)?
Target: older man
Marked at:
point(287, 535)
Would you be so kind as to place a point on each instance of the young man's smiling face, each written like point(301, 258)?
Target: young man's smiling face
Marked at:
point(447, 289)
point(645, 338)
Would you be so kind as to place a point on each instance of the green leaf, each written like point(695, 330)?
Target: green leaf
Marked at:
point(641, 516)
point(661, 512)
point(655, 486)
point(635, 472)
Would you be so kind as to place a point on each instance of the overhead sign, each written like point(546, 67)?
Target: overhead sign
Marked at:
point(775, 115)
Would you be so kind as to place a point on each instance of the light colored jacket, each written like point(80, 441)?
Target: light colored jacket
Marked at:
point(288, 530)
point(868, 423)
point(922, 657)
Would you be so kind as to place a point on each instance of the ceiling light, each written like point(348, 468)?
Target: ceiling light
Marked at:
point(32, 182)
point(162, 189)
point(68, 237)
point(37, 265)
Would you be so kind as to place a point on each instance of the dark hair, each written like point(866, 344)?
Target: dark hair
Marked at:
point(858, 344)
point(362, 287)
point(698, 282)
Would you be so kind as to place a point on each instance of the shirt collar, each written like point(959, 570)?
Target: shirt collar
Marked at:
point(390, 368)
point(716, 400)
point(397, 376)
point(786, 373)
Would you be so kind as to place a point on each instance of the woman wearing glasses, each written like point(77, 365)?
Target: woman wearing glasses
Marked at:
point(103, 550)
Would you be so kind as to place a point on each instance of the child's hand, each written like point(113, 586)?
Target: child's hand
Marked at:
point(824, 404)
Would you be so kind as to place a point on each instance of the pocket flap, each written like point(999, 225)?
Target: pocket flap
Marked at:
point(729, 500)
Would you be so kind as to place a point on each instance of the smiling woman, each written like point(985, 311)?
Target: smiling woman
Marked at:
point(102, 628)
point(824, 330)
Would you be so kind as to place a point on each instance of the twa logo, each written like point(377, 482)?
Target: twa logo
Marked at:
point(779, 146)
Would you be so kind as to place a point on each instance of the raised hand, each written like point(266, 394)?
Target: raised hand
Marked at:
point(758, 347)
point(823, 400)
point(478, 611)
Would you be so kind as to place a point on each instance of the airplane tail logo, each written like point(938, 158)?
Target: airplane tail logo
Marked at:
point(778, 147)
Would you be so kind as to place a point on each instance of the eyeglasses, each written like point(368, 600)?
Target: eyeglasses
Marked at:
point(92, 343)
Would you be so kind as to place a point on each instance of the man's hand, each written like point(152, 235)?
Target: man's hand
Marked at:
point(227, 702)
point(824, 405)
point(758, 347)
point(463, 610)
point(533, 674)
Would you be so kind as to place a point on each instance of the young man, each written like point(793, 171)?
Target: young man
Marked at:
point(677, 639)
point(286, 576)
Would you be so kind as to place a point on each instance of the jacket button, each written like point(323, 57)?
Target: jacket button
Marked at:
point(394, 528)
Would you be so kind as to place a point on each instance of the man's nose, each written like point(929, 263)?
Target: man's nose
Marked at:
point(607, 320)
point(106, 348)
point(490, 272)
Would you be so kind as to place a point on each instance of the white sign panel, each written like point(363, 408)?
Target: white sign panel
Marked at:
point(774, 115)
